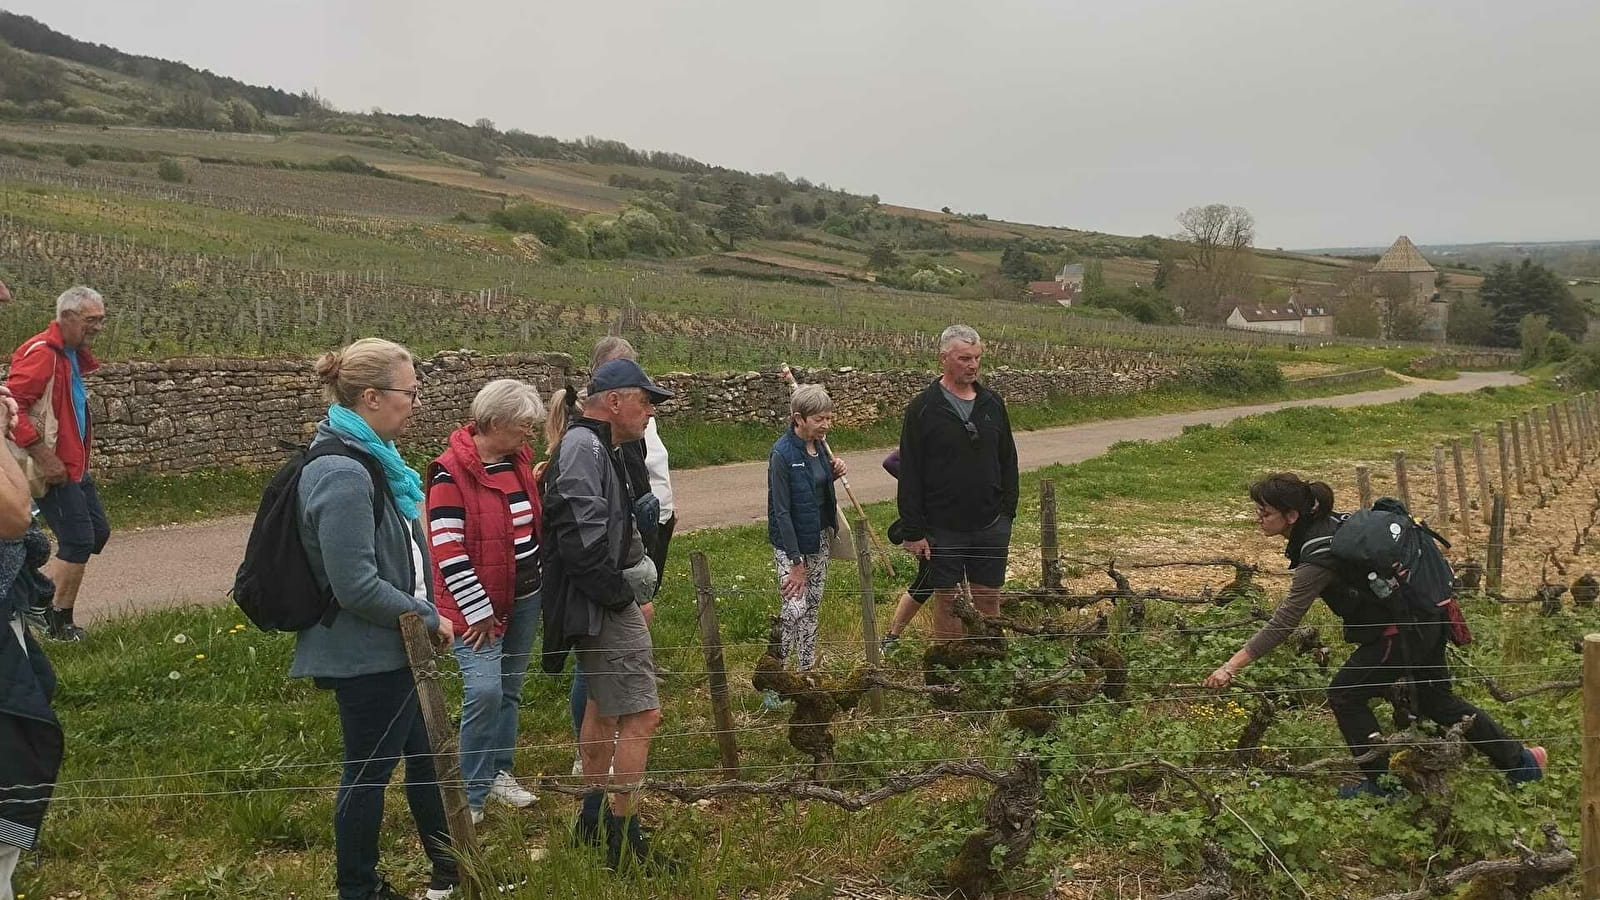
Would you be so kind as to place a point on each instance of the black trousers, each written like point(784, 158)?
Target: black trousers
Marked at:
point(382, 723)
point(1373, 668)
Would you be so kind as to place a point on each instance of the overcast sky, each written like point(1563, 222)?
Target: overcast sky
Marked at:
point(1336, 124)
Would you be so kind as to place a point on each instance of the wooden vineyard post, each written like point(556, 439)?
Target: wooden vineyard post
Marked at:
point(1049, 551)
point(1441, 487)
point(869, 613)
point(1532, 418)
point(1590, 811)
point(1483, 475)
point(1465, 512)
point(1580, 434)
point(1503, 458)
point(1586, 421)
point(446, 760)
point(1402, 485)
point(1364, 485)
point(1558, 441)
point(716, 667)
point(1516, 456)
point(1497, 547)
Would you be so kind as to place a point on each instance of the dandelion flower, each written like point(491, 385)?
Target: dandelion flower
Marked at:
point(199, 656)
point(180, 638)
point(174, 675)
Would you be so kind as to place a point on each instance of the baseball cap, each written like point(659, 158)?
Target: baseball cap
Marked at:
point(625, 373)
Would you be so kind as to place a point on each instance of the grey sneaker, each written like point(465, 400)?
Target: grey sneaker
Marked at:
point(507, 791)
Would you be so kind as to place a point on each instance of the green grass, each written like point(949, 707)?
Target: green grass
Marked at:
point(229, 707)
point(137, 501)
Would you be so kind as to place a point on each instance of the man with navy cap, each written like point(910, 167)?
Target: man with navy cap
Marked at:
point(596, 576)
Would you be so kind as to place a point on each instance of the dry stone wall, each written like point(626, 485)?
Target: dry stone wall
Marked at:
point(179, 415)
point(862, 396)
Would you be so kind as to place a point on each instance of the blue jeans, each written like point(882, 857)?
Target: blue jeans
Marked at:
point(492, 698)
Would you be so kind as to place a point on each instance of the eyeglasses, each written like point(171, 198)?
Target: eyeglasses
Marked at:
point(414, 393)
point(972, 431)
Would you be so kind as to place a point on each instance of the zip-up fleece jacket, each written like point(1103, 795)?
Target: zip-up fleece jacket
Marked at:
point(589, 536)
point(796, 513)
point(476, 553)
point(32, 365)
point(948, 479)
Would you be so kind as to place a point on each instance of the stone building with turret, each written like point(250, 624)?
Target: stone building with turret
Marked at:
point(1403, 275)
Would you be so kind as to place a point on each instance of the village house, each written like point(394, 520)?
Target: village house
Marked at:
point(1293, 316)
point(1063, 290)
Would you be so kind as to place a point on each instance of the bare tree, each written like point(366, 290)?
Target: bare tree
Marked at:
point(1218, 238)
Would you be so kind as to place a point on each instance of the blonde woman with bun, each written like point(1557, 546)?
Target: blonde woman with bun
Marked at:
point(377, 566)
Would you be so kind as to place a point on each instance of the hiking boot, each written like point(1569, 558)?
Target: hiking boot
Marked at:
point(1531, 768)
point(625, 838)
point(386, 891)
point(888, 642)
point(59, 627)
point(1366, 787)
point(37, 618)
point(507, 791)
point(586, 833)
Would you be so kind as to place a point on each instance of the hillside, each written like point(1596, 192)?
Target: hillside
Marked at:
point(120, 112)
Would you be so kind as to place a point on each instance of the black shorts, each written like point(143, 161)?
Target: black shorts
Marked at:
point(73, 512)
point(979, 556)
point(921, 588)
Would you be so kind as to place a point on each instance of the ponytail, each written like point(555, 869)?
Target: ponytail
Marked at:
point(562, 410)
point(1287, 491)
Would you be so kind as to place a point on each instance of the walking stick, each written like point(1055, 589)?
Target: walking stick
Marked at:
point(872, 535)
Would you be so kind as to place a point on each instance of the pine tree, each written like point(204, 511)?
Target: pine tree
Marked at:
point(737, 218)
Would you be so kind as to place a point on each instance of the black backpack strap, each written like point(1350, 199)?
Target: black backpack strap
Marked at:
point(380, 492)
point(1433, 534)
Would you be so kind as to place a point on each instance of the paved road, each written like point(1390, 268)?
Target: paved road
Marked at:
point(170, 566)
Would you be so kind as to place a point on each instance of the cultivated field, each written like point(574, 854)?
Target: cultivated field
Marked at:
point(1140, 772)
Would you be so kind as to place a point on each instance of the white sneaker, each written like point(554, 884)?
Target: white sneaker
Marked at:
point(577, 764)
point(477, 819)
point(445, 893)
point(506, 790)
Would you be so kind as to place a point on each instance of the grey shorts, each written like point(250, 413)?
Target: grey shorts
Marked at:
point(619, 665)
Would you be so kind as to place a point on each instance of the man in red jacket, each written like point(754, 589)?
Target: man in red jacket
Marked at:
point(54, 426)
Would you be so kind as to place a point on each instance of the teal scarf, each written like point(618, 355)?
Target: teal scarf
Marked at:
point(404, 482)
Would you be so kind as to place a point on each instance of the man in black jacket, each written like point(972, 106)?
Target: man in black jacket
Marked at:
point(596, 578)
point(958, 481)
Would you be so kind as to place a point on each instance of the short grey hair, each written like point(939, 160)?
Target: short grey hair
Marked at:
point(810, 400)
point(958, 334)
point(73, 298)
point(611, 347)
point(591, 401)
point(505, 401)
